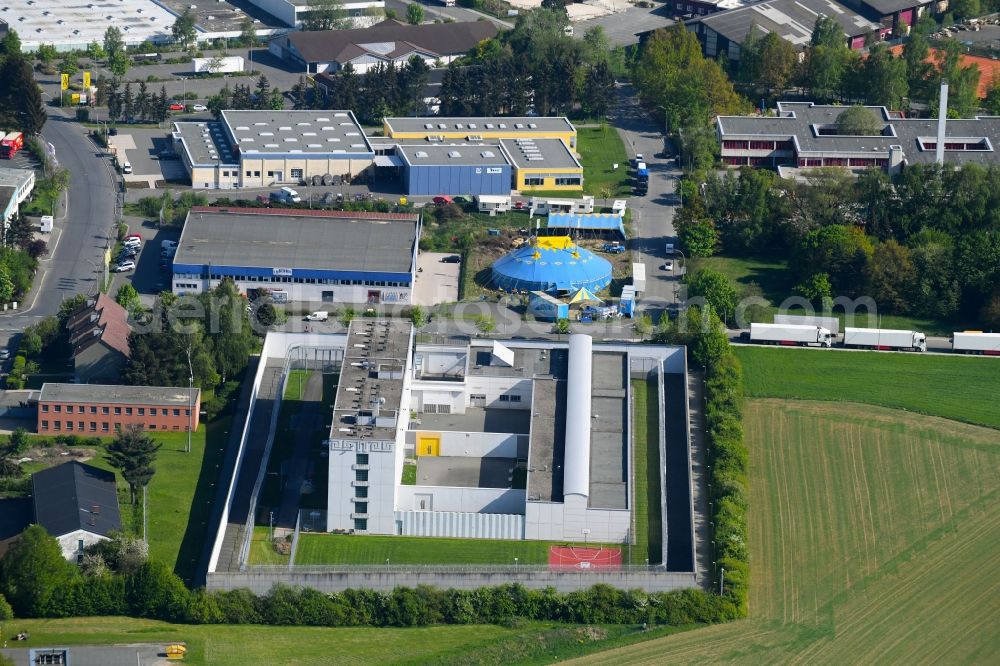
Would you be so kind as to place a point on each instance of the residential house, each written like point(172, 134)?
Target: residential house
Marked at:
point(77, 504)
point(98, 335)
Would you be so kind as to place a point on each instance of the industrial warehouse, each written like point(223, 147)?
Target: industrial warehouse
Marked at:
point(299, 255)
point(472, 156)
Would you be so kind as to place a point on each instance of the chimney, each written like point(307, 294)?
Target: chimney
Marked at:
point(895, 160)
point(942, 120)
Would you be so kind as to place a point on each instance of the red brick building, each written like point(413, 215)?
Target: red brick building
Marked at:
point(97, 409)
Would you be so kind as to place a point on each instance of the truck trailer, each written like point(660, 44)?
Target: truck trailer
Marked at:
point(10, 144)
point(885, 339)
point(976, 342)
point(788, 334)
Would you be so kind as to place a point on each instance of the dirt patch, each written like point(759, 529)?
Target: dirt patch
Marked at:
point(53, 455)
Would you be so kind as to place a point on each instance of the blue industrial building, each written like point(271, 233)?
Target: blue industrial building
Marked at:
point(441, 169)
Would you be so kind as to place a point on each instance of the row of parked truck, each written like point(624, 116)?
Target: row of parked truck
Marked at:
point(967, 342)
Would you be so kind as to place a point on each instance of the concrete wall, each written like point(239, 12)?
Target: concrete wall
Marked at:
point(451, 394)
point(183, 283)
point(450, 362)
point(385, 580)
point(459, 525)
point(494, 387)
point(267, 171)
point(460, 500)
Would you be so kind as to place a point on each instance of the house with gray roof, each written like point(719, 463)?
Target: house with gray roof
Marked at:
point(77, 504)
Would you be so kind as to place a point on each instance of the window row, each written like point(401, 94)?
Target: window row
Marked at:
point(105, 426)
point(126, 411)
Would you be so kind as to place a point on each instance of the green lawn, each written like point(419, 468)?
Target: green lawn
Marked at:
point(648, 525)
point(261, 550)
point(358, 549)
point(874, 540)
point(964, 389)
point(483, 645)
point(600, 148)
point(296, 384)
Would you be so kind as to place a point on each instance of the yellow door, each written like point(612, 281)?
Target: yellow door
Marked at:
point(428, 444)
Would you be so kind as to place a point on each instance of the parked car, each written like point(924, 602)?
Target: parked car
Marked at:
point(176, 107)
point(199, 107)
point(264, 200)
point(168, 252)
point(318, 315)
point(164, 244)
point(668, 266)
point(451, 259)
point(134, 234)
point(442, 200)
point(124, 266)
point(4, 354)
point(113, 131)
point(132, 242)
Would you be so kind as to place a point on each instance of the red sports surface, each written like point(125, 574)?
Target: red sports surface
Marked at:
point(575, 557)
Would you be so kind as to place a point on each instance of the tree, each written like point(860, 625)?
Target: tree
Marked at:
point(10, 44)
point(816, 288)
point(598, 90)
point(95, 51)
point(6, 285)
point(248, 32)
point(46, 54)
point(33, 571)
point(17, 443)
point(326, 15)
point(418, 316)
point(858, 121)
point(347, 315)
point(263, 93)
point(698, 238)
point(643, 325)
point(885, 78)
point(6, 613)
point(21, 97)
point(185, 31)
point(890, 276)
point(133, 453)
point(127, 297)
point(964, 9)
point(230, 337)
point(841, 251)
point(827, 32)
point(775, 61)
point(717, 291)
point(267, 315)
point(414, 14)
point(114, 44)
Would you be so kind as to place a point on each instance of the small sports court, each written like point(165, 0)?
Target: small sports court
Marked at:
point(577, 557)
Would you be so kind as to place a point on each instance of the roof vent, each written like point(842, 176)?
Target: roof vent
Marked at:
point(420, 154)
point(454, 153)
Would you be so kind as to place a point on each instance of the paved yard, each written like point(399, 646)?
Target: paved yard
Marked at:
point(436, 282)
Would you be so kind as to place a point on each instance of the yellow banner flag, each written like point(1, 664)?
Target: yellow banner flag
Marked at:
point(65, 81)
point(86, 80)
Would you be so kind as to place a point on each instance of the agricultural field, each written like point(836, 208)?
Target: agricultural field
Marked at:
point(959, 388)
point(318, 646)
point(874, 535)
point(357, 549)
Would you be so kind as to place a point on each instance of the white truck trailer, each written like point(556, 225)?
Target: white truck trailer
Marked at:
point(639, 277)
point(884, 338)
point(217, 65)
point(974, 342)
point(789, 334)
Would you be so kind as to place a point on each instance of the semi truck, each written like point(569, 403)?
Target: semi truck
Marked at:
point(976, 342)
point(10, 144)
point(788, 334)
point(885, 339)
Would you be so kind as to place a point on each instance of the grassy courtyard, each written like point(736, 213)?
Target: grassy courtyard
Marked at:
point(364, 549)
point(648, 521)
point(600, 148)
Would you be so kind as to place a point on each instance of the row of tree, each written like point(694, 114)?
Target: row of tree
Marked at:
point(117, 579)
point(261, 97)
point(925, 242)
point(384, 90)
point(21, 105)
point(534, 67)
point(143, 105)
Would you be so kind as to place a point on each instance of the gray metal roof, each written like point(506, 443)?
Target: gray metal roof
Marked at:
point(125, 395)
point(443, 154)
point(328, 240)
point(15, 177)
point(796, 121)
point(474, 125)
point(539, 154)
point(793, 20)
point(296, 132)
point(206, 143)
point(887, 7)
point(74, 496)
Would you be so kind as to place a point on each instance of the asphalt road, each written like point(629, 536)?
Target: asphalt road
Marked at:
point(74, 258)
point(652, 214)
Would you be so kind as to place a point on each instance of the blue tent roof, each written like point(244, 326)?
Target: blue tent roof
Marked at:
point(538, 268)
point(588, 221)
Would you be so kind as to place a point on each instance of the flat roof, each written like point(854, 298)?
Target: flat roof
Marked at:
point(113, 394)
point(548, 440)
point(15, 177)
point(540, 154)
point(474, 125)
point(528, 361)
point(480, 419)
point(206, 143)
point(465, 472)
point(303, 240)
point(370, 389)
point(308, 132)
point(438, 154)
point(609, 431)
point(79, 22)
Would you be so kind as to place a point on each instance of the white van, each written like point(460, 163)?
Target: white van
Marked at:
point(319, 315)
point(290, 195)
point(126, 167)
point(47, 224)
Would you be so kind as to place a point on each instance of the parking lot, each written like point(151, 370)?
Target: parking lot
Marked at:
point(437, 281)
point(142, 149)
point(148, 278)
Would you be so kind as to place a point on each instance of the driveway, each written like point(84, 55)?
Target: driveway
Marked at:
point(436, 282)
point(652, 214)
